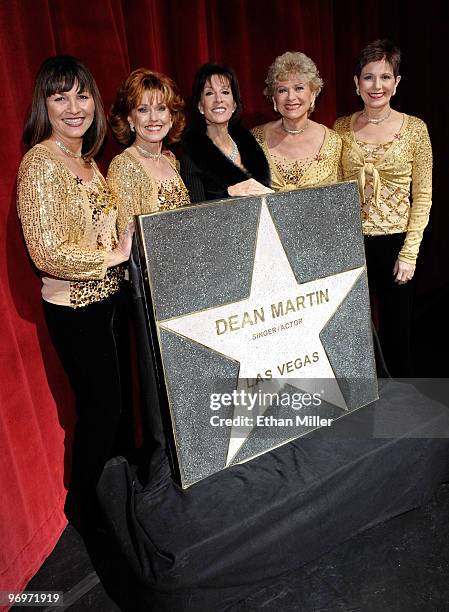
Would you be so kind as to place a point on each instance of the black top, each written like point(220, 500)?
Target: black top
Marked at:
point(207, 173)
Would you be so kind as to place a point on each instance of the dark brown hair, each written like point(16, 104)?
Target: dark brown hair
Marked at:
point(59, 74)
point(204, 74)
point(129, 96)
point(378, 50)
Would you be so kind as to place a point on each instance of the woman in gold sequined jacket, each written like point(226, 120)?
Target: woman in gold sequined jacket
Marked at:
point(68, 216)
point(300, 152)
point(147, 114)
point(390, 155)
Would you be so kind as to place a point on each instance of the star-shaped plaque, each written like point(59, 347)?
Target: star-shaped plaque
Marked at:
point(275, 337)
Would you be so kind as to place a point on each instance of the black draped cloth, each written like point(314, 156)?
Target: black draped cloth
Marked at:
point(209, 546)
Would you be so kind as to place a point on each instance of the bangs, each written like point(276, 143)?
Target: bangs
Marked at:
point(293, 75)
point(223, 78)
point(157, 91)
point(64, 79)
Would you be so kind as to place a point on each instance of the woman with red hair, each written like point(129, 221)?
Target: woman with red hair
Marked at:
point(146, 115)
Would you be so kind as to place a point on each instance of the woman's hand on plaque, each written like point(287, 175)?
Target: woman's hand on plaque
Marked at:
point(250, 187)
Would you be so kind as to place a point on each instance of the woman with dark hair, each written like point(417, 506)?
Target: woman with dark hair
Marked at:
point(301, 152)
point(147, 113)
point(221, 158)
point(68, 216)
point(390, 155)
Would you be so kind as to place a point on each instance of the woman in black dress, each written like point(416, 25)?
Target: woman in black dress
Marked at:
point(221, 158)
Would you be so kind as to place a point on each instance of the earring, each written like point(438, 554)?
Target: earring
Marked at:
point(311, 107)
point(201, 111)
point(275, 108)
point(132, 128)
point(357, 90)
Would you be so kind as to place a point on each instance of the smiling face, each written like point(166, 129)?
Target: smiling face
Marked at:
point(70, 113)
point(151, 118)
point(377, 84)
point(217, 102)
point(293, 97)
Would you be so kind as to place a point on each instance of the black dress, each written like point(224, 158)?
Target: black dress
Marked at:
point(207, 173)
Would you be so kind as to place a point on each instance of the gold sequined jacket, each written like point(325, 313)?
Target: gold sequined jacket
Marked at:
point(137, 192)
point(68, 229)
point(385, 182)
point(323, 169)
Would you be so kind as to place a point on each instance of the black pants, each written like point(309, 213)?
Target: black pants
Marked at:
point(391, 302)
point(93, 346)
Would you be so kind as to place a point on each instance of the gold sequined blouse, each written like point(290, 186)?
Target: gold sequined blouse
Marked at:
point(138, 193)
point(386, 174)
point(287, 174)
point(69, 225)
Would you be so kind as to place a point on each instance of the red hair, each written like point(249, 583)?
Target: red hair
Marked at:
point(130, 95)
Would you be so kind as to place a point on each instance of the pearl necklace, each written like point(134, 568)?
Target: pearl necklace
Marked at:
point(66, 150)
point(295, 132)
point(376, 120)
point(145, 153)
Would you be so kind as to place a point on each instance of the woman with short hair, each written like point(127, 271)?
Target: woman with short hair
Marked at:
point(390, 156)
point(300, 152)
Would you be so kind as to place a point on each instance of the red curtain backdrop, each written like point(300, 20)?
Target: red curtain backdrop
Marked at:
point(173, 36)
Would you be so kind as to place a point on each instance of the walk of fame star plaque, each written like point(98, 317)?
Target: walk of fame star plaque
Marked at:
point(260, 321)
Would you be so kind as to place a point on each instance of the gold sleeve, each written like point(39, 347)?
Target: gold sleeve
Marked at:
point(340, 175)
point(336, 145)
point(53, 221)
point(421, 194)
point(134, 191)
point(341, 126)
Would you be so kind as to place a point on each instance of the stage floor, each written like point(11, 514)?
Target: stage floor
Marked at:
point(402, 564)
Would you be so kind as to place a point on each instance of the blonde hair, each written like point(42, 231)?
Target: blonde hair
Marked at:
point(293, 62)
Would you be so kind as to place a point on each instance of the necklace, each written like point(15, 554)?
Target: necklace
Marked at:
point(294, 132)
point(145, 153)
point(66, 150)
point(377, 119)
point(232, 156)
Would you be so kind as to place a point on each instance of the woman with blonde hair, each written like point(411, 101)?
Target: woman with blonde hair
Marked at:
point(300, 152)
